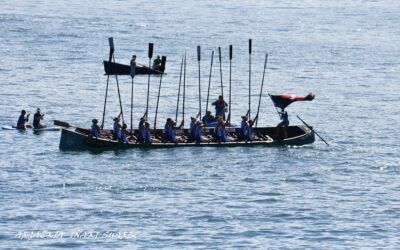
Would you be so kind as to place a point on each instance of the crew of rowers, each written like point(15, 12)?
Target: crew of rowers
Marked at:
point(24, 118)
point(217, 123)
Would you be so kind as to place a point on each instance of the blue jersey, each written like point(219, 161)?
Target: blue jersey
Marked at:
point(207, 119)
point(146, 135)
point(243, 128)
point(192, 128)
point(285, 119)
point(249, 135)
point(197, 134)
point(94, 131)
point(170, 132)
point(117, 130)
point(222, 134)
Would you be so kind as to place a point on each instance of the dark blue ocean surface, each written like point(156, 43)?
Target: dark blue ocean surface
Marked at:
point(342, 196)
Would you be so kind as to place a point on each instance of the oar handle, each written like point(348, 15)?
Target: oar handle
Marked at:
point(111, 43)
point(219, 53)
point(230, 52)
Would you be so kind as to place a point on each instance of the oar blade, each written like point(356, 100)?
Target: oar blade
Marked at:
point(62, 124)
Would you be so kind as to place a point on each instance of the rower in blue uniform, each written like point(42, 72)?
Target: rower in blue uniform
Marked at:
point(243, 128)
point(169, 133)
point(95, 129)
point(192, 128)
point(140, 129)
point(37, 117)
point(220, 107)
point(221, 131)
point(123, 135)
point(116, 128)
point(249, 133)
point(197, 132)
point(146, 133)
point(208, 119)
point(284, 123)
point(22, 120)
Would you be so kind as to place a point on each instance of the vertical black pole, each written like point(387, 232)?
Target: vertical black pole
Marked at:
point(133, 71)
point(179, 92)
point(230, 82)
point(209, 80)
point(249, 112)
point(220, 70)
point(163, 61)
point(261, 91)
point(148, 81)
point(111, 43)
point(198, 59)
point(184, 93)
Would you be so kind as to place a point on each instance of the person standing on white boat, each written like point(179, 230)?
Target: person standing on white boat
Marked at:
point(22, 120)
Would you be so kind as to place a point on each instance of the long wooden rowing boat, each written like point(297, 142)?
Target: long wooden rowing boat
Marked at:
point(112, 68)
point(79, 139)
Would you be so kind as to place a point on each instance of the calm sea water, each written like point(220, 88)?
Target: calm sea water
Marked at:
point(342, 196)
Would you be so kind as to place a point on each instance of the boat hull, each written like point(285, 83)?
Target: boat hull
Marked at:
point(122, 69)
point(76, 140)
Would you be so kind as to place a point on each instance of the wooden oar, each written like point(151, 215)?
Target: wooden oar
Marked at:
point(220, 71)
point(198, 59)
point(261, 91)
point(184, 94)
point(250, 48)
point(111, 44)
point(308, 126)
point(150, 54)
point(209, 80)
point(230, 83)
point(133, 72)
point(179, 92)
point(163, 61)
point(62, 124)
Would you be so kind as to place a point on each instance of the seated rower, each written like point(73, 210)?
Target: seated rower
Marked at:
point(140, 128)
point(197, 132)
point(244, 126)
point(249, 133)
point(123, 135)
point(169, 133)
point(37, 117)
point(220, 107)
point(22, 120)
point(208, 119)
point(116, 128)
point(146, 133)
point(95, 129)
point(284, 123)
point(192, 129)
point(221, 131)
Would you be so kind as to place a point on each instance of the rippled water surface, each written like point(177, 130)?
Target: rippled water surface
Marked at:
point(342, 196)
